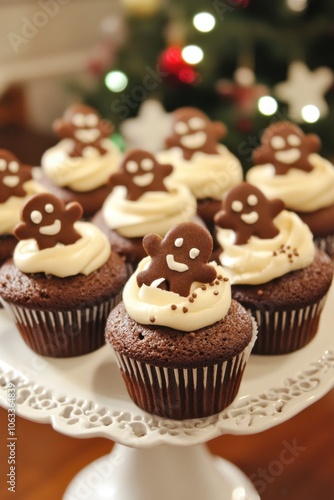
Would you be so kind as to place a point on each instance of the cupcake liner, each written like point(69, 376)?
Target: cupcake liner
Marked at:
point(181, 393)
point(62, 334)
point(281, 332)
point(326, 243)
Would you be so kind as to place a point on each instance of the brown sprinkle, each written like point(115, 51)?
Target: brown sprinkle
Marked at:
point(173, 307)
point(217, 282)
point(192, 335)
point(194, 295)
point(215, 292)
point(204, 287)
point(185, 309)
point(191, 299)
point(152, 319)
point(225, 279)
point(219, 277)
point(260, 292)
point(212, 283)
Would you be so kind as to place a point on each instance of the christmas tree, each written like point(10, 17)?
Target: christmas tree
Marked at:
point(244, 62)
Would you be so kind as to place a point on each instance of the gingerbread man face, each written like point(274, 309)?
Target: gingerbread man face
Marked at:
point(85, 127)
point(46, 219)
point(249, 213)
point(140, 172)
point(193, 131)
point(285, 146)
point(179, 259)
point(13, 175)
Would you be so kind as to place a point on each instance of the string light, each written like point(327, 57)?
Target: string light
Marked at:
point(310, 113)
point(192, 54)
point(267, 105)
point(116, 81)
point(204, 22)
point(297, 5)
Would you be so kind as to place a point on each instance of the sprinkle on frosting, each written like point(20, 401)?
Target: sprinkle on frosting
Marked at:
point(13, 176)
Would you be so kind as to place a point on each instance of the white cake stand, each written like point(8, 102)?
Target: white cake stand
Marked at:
point(155, 458)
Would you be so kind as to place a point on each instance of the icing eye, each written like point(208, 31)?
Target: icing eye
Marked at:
point(181, 128)
point(237, 206)
point(147, 164)
point(49, 208)
point(252, 200)
point(196, 123)
point(178, 242)
point(131, 167)
point(91, 120)
point(277, 142)
point(193, 253)
point(79, 120)
point(36, 217)
point(3, 165)
point(13, 167)
point(294, 140)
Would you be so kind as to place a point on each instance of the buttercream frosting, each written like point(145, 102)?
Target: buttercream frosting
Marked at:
point(207, 176)
point(84, 256)
point(262, 260)
point(301, 191)
point(152, 305)
point(80, 173)
point(154, 212)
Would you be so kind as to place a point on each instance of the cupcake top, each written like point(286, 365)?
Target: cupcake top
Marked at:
point(175, 286)
point(85, 157)
point(54, 242)
point(287, 166)
point(16, 185)
point(144, 198)
point(260, 240)
point(199, 161)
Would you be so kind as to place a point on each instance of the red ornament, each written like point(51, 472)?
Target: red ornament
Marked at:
point(172, 62)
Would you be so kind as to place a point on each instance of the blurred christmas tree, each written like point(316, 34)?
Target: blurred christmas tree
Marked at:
point(228, 58)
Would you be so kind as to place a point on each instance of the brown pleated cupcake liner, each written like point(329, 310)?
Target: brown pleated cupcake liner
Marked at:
point(326, 243)
point(62, 334)
point(182, 393)
point(282, 332)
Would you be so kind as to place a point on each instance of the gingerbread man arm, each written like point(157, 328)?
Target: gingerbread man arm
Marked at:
point(219, 130)
point(276, 207)
point(223, 220)
point(206, 273)
point(21, 231)
point(106, 128)
point(74, 211)
point(260, 155)
point(152, 244)
point(62, 128)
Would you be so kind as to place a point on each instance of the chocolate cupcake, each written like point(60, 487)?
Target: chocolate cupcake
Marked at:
point(63, 279)
point(144, 200)
point(287, 166)
point(200, 162)
point(180, 342)
point(79, 166)
point(275, 270)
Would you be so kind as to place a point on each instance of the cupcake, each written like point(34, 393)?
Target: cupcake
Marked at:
point(16, 185)
point(274, 268)
point(287, 166)
point(62, 281)
point(180, 341)
point(200, 162)
point(79, 166)
point(144, 199)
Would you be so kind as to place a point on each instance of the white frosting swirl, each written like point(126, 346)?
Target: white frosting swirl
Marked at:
point(301, 191)
point(10, 210)
point(262, 260)
point(154, 212)
point(148, 302)
point(84, 256)
point(82, 173)
point(208, 176)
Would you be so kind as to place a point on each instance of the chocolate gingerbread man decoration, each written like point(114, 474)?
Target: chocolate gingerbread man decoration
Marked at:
point(179, 259)
point(85, 127)
point(193, 132)
point(13, 175)
point(248, 212)
point(140, 172)
point(46, 219)
point(285, 146)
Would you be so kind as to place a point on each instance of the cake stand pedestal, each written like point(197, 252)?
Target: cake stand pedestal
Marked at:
point(156, 458)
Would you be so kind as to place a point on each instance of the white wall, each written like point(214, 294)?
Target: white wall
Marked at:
point(45, 44)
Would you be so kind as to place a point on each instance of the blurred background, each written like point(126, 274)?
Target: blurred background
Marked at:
point(245, 62)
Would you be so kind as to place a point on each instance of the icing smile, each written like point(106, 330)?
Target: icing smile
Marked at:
point(175, 266)
point(250, 218)
point(11, 180)
point(290, 156)
point(194, 141)
point(52, 229)
point(87, 135)
point(143, 180)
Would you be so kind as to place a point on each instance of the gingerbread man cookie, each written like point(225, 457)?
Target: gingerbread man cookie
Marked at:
point(249, 213)
point(46, 219)
point(140, 172)
point(193, 132)
point(85, 127)
point(179, 259)
point(13, 175)
point(285, 146)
